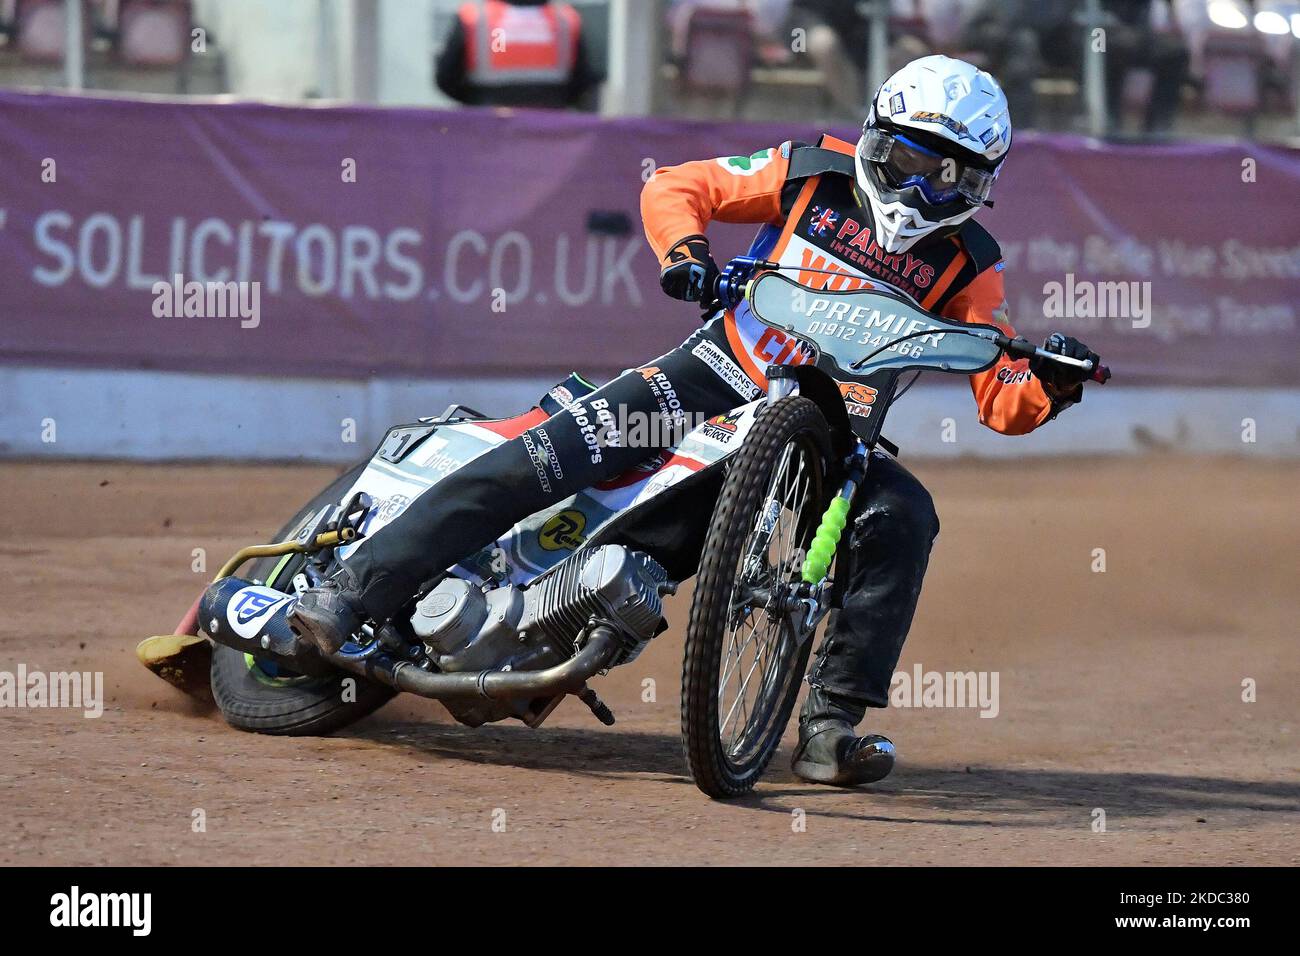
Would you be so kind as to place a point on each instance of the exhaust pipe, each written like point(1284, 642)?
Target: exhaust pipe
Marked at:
point(602, 646)
point(253, 619)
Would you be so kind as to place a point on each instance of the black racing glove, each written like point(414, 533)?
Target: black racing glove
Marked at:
point(1063, 383)
point(691, 274)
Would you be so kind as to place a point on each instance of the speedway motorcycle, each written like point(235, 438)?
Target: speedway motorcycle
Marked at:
point(752, 503)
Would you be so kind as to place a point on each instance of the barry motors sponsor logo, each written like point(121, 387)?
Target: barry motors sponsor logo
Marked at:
point(597, 426)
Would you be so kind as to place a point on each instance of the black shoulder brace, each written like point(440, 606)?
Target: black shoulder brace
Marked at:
point(982, 248)
point(809, 161)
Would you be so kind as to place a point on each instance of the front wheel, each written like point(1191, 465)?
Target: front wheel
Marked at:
point(746, 650)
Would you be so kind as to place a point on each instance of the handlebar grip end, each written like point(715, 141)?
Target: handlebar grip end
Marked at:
point(1101, 374)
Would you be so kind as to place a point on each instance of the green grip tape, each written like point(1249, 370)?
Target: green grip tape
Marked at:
point(822, 551)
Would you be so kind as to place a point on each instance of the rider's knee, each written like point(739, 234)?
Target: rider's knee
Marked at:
point(901, 515)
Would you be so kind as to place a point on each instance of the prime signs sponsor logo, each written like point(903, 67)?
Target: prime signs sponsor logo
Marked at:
point(726, 369)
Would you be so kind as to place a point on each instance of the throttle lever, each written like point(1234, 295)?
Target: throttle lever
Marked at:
point(1023, 348)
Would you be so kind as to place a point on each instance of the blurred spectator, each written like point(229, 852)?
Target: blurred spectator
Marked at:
point(1012, 39)
point(838, 36)
point(1133, 42)
point(516, 53)
point(945, 20)
point(1019, 40)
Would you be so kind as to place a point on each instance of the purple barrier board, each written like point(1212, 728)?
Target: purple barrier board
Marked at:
point(385, 242)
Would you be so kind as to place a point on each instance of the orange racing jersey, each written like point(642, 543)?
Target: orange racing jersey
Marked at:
point(804, 197)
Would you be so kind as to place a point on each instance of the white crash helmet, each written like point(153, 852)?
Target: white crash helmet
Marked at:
point(931, 148)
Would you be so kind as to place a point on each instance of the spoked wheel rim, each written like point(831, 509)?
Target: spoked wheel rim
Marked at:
point(740, 682)
point(762, 642)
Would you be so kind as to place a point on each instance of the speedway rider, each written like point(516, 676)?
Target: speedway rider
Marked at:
point(894, 210)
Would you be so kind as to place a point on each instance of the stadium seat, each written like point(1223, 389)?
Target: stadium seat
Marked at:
point(719, 51)
point(1231, 62)
point(153, 33)
point(39, 28)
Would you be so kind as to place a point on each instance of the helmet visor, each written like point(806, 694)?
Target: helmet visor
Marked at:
point(940, 179)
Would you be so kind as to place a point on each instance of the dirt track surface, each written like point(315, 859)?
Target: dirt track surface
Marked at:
point(1119, 690)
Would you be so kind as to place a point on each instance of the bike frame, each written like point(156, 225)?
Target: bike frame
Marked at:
point(860, 341)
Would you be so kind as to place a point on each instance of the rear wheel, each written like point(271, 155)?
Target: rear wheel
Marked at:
point(258, 697)
point(746, 651)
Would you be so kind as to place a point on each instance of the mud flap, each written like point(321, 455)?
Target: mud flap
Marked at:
point(182, 660)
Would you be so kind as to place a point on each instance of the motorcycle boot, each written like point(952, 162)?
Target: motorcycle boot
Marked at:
point(329, 615)
point(829, 752)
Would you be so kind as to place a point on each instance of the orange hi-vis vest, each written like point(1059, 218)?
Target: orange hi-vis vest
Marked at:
point(507, 45)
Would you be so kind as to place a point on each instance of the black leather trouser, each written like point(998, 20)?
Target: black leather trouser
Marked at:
point(572, 450)
point(893, 527)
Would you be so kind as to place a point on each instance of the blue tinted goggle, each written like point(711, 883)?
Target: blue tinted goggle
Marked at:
point(940, 178)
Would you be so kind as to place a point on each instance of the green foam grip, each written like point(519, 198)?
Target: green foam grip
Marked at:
point(822, 551)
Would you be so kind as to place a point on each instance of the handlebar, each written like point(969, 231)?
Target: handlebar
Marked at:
point(1023, 348)
point(729, 289)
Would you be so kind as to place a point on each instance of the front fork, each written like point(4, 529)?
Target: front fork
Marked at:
point(807, 598)
point(827, 538)
point(781, 383)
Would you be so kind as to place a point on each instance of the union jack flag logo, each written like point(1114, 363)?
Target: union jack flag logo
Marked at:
point(822, 219)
